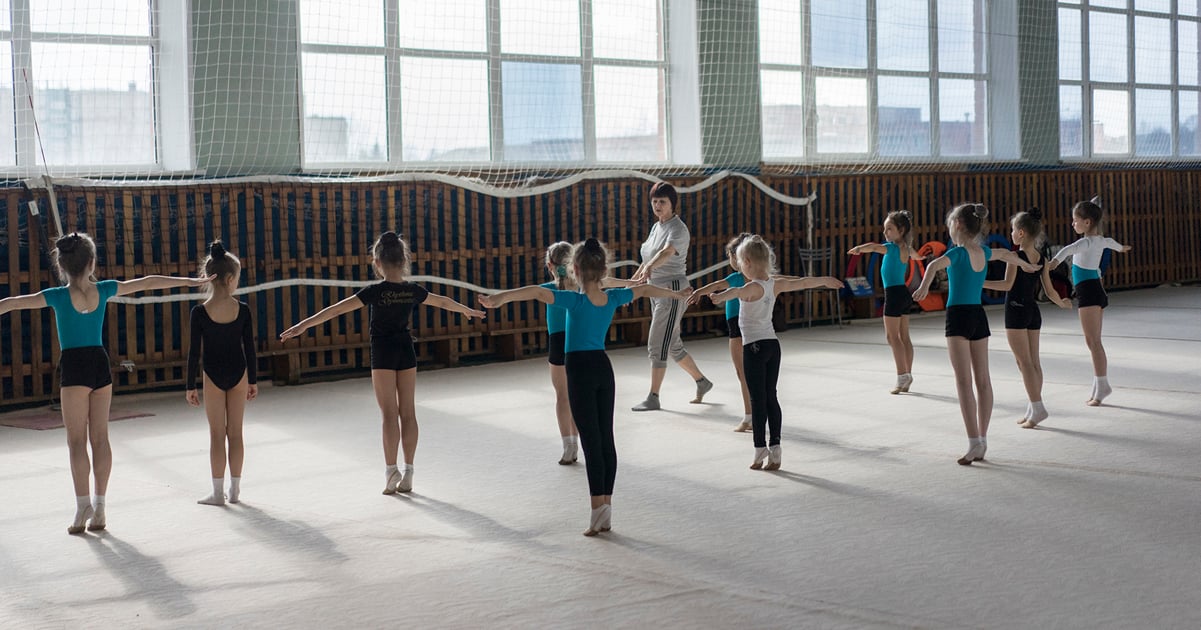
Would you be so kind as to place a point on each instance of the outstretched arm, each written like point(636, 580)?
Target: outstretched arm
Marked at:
point(1116, 246)
point(1011, 274)
point(1011, 257)
point(618, 283)
point(868, 248)
point(940, 263)
point(447, 304)
point(531, 292)
point(352, 303)
point(650, 290)
point(155, 283)
point(750, 292)
point(708, 289)
point(22, 303)
point(784, 285)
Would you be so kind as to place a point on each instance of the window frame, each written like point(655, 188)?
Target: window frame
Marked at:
point(1087, 86)
point(494, 58)
point(871, 74)
point(20, 37)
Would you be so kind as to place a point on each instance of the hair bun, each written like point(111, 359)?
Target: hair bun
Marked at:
point(1096, 200)
point(591, 243)
point(905, 213)
point(67, 244)
point(217, 249)
point(1035, 214)
point(389, 238)
point(980, 210)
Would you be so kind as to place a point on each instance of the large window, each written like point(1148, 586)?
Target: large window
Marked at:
point(874, 79)
point(1128, 78)
point(87, 67)
point(470, 81)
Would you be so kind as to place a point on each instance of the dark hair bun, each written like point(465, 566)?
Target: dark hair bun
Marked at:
point(67, 244)
point(1096, 201)
point(217, 249)
point(980, 211)
point(1035, 214)
point(389, 238)
point(591, 243)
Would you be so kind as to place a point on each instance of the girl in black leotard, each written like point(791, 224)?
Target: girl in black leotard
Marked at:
point(393, 360)
point(223, 333)
point(1023, 320)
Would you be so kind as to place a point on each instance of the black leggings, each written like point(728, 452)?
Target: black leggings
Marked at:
point(590, 391)
point(761, 365)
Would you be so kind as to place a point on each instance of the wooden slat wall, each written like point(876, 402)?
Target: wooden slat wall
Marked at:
point(324, 230)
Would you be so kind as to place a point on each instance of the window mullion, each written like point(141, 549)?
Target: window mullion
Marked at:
point(393, 110)
point(935, 87)
point(588, 82)
point(495, 94)
point(26, 132)
point(872, 82)
point(808, 82)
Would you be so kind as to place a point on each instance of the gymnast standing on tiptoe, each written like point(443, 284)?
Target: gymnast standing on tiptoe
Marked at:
point(87, 379)
point(393, 358)
point(590, 382)
point(1090, 294)
point(223, 333)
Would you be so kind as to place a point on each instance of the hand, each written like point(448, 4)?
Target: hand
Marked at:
point(473, 313)
point(1052, 264)
point(193, 397)
point(832, 283)
point(685, 294)
point(199, 282)
point(294, 331)
point(920, 294)
point(1062, 303)
point(641, 275)
point(695, 298)
point(1126, 248)
point(853, 251)
point(252, 391)
point(1030, 267)
point(720, 297)
point(488, 301)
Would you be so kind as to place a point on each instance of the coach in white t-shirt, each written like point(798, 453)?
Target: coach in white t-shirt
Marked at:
point(664, 264)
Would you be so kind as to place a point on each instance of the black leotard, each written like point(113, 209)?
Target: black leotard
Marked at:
point(228, 349)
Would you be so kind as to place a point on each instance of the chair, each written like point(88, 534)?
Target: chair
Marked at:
point(816, 262)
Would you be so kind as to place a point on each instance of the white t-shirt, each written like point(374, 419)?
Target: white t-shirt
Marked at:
point(754, 318)
point(672, 232)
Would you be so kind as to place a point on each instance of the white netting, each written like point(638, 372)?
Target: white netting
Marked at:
point(508, 89)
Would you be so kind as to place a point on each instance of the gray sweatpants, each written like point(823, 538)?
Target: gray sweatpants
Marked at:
point(666, 314)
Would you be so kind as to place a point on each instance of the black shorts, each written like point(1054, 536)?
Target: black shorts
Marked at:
point(897, 301)
point(556, 352)
point(394, 353)
point(735, 331)
point(1091, 293)
point(968, 321)
point(85, 367)
point(1023, 316)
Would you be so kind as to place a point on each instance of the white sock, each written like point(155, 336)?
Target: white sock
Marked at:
point(567, 442)
point(1038, 412)
point(746, 417)
point(408, 469)
point(388, 470)
point(82, 502)
point(83, 511)
point(98, 501)
point(1101, 388)
point(218, 495)
point(235, 488)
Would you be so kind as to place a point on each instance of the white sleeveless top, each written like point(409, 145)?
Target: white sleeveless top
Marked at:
point(754, 318)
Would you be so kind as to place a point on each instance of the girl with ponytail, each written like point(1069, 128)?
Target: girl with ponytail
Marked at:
point(393, 358)
point(967, 323)
point(1091, 298)
point(87, 380)
point(1023, 320)
point(590, 381)
point(557, 257)
point(222, 332)
point(897, 251)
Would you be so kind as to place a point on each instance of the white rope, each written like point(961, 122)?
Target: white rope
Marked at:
point(355, 284)
point(462, 182)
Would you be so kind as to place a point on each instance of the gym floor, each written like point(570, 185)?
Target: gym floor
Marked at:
point(1091, 520)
